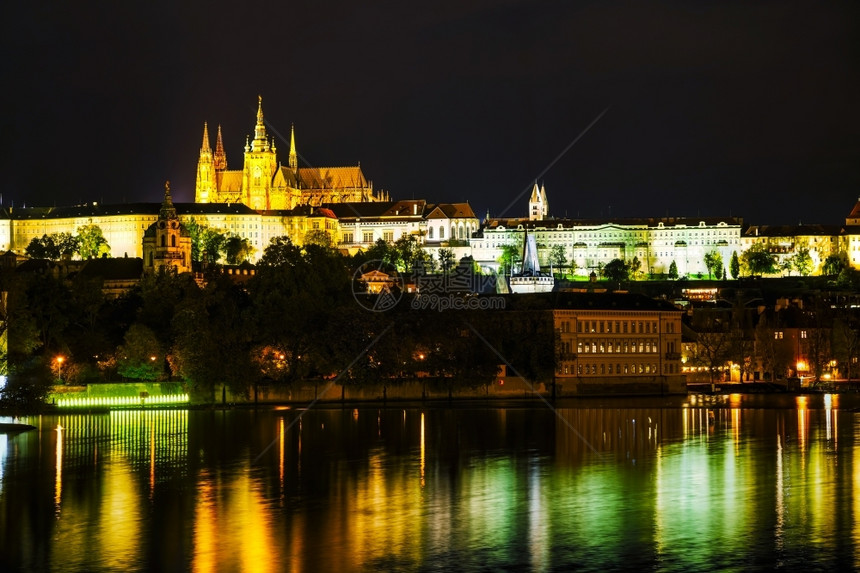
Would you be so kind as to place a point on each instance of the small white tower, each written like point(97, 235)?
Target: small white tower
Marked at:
point(538, 205)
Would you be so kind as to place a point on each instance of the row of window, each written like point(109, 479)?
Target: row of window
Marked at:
point(604, 369)
point(617, 326)
point(613, 346)
point(463, 233)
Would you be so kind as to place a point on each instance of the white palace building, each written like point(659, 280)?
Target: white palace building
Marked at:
point(587, 245)
point(591, 244)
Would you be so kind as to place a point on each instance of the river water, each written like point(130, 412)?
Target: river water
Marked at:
point(730, 483)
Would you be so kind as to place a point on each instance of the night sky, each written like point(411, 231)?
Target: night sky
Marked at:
point(714, 108)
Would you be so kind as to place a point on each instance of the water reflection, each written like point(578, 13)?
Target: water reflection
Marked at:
point(710, 483)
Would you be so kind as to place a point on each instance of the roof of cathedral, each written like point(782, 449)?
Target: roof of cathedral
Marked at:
point(332, 177)
point(285, 174)
point(230, 180)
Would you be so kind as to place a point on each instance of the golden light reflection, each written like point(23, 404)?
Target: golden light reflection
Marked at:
point(205, 526)
point(233, 527)
point(736, 429)
point(422, 449)
point(281, 461)
point(58, 481)
point(118, 539)
point(802, 421)
point(151, 459)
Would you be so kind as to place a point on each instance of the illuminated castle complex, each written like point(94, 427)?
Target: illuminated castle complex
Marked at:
point(263, 184)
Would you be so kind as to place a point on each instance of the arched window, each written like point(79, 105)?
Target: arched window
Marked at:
point(172, 240)
point(430, 233)
point(441, 232)
point(163, 241)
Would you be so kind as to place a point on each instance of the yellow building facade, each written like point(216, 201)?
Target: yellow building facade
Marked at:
point(607, 342)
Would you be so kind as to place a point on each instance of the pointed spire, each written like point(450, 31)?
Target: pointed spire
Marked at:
point(220, 155)
point(168, 211)
point(205, 147)
point(260, 140)
point(294, 161)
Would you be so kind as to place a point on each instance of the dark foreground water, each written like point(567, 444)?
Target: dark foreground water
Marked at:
point(731, 483)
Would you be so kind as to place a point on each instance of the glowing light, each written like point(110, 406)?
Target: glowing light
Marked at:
point(801, 365)
point(58, 480)
point(422, 450)
point(105, 401)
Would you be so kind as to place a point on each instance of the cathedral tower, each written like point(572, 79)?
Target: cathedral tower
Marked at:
point(260, 165)
point(205, 189)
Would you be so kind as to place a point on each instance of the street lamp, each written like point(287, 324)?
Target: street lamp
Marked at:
point(60, 360)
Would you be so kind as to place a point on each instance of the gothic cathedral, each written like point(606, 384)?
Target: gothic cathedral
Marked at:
point(263, 184)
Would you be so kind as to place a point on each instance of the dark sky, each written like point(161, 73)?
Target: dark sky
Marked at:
point(715, 108)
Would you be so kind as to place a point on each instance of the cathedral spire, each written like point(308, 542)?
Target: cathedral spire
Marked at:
point(261, 142)
point(205, 147)
point(294, 161)
point(220, 156)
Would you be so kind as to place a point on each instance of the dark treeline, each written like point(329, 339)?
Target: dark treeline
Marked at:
point(296, 319)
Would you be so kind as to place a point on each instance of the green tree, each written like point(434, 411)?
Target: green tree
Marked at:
point(141, 356)
point(318, 237)
point(673, 271)
point(281, 252)
point(195, 229)
point(92, 242)
point(634, 267)
point(43, 248)
point(714, 263)
point(834, 264)
point(558, 258)
point(237, 250)
point(446, 259)
point(213, 340)
point(616, 271)
point(802, 261)
point(213, 242)
point(758, 260)
point(735, 265)
point(409, 253)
